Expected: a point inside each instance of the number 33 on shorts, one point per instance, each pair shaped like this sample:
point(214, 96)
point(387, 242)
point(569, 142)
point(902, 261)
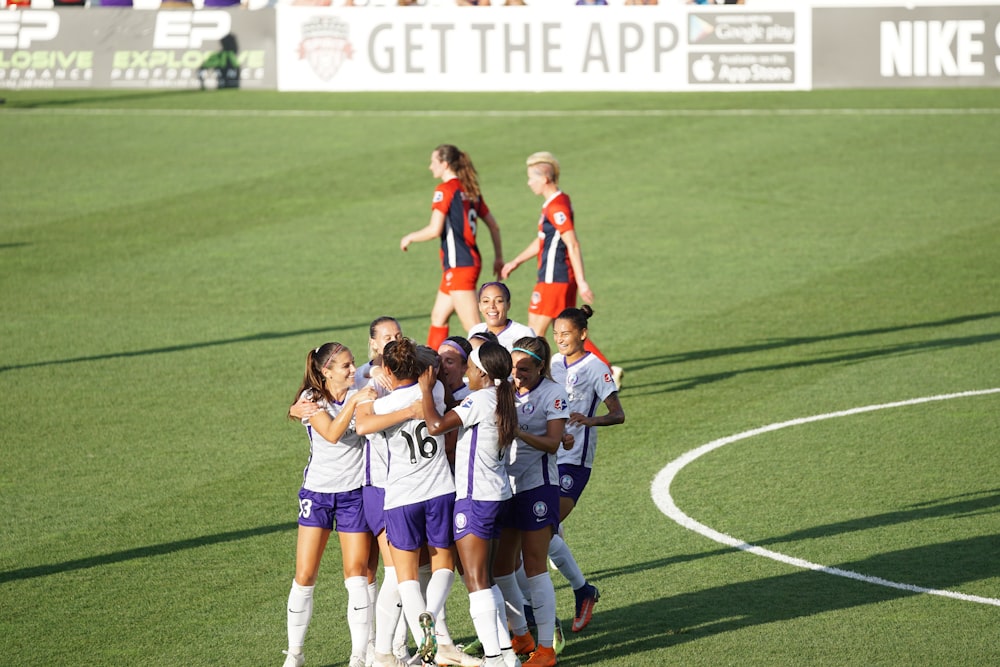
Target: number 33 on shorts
point(305, 508)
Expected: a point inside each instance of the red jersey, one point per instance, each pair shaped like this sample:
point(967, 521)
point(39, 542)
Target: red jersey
point(458, 236)
point(553, 259)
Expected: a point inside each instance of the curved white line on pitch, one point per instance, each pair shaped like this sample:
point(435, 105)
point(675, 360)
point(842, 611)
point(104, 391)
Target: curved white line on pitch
point(663, 499)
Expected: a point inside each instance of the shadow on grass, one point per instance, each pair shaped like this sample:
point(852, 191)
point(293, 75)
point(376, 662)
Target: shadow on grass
point(699, 614)
point(972, 504)
point(856, 356)
point(96, 96)
point(142, 552)
point(266, 335)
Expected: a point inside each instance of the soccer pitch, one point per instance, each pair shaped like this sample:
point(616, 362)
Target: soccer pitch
point(169, 257)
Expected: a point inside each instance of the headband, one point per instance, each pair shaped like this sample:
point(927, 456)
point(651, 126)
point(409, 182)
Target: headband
point(337, 349)
point(528, 352)
point(474, 358)
point(458, 348)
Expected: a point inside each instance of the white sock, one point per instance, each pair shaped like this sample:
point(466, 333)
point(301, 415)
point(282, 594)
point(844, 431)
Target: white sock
point(522, 582)
point(503, 634)
point(387, 612)
point(358, 614)
point(300, 607)
point(514, 603)
point(372, 599)
point(438, 588)
point(483, 610)
point(543, 603)
point(413, 606)
point(563, 558)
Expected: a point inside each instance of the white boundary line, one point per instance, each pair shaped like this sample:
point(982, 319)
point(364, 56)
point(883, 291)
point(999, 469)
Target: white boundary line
point(663, 499)
point(513, 113)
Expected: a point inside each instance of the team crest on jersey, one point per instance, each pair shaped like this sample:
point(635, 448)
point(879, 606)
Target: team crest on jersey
point(528, 408)
point(566, 482)
point(461, 521)
point(325, 45)
point(572, 379)
point(540, 509)
point(536, 297)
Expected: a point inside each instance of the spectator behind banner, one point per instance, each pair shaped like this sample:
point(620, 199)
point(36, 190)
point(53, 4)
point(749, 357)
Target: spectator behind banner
point(225, 63)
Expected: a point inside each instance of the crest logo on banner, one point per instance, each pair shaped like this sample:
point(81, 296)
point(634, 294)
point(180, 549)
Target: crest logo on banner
point(325, 45)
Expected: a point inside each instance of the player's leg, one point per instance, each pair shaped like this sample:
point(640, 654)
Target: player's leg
point(440, 314)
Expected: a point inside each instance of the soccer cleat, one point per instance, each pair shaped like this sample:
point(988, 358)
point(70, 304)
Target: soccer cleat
point(293, 660)
point(523, 644)
point(543, 656)
point(449, 655)
point(616, 374)
point(428, 645)
point(473, 648)
point(586, 597)
point(510, 658)
point(357, 661)
point(558, 638)
point(387, 660)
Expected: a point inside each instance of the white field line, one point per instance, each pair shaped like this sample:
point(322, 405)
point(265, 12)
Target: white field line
point(663, 499)
point(540, 113)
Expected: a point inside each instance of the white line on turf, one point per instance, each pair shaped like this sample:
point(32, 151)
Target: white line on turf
point(663, 499)
point(498, 113)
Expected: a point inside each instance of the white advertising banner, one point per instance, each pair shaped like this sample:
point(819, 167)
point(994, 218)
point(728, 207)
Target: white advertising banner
point(635, 48)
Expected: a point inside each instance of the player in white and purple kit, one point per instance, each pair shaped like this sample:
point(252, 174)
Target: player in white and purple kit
point(330, 496)
point(533, 513)
point(419, 499)
point(494, 306)
point(588, 383)
point(486, 421)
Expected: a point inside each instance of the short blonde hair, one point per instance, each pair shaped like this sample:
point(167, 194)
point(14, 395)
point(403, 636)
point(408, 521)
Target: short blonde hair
point(545, 158)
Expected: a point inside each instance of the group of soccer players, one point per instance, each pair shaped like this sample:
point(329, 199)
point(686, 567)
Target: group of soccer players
point(463, 454)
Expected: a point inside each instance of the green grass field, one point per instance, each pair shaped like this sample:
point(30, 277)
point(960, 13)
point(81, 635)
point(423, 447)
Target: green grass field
point(168, 258)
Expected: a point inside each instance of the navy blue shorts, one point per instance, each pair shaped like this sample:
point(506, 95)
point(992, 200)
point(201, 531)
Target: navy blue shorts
point(572, 480)
point(533, 509)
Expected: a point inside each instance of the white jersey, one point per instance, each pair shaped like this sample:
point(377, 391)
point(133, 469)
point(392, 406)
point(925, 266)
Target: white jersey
point(587, 382)
point(418, 468)
point(530, 468)
point(480, 462)
point(363, 378)
point(461, 393)
point(333, 467)
point(510, 335)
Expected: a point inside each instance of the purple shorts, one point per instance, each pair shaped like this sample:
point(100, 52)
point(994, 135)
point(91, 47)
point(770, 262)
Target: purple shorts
point(478, 517)
point(572, 481)
point(411, 526)
point(374, 498)
point(533, 509)
point(343, 510)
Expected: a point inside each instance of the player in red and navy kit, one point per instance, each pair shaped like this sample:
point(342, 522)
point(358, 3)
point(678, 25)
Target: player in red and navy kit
point(456, 210)
point(560, 259)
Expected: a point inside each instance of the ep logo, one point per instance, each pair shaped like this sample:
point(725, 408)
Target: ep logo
point(190, 29)
point(20, 29)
